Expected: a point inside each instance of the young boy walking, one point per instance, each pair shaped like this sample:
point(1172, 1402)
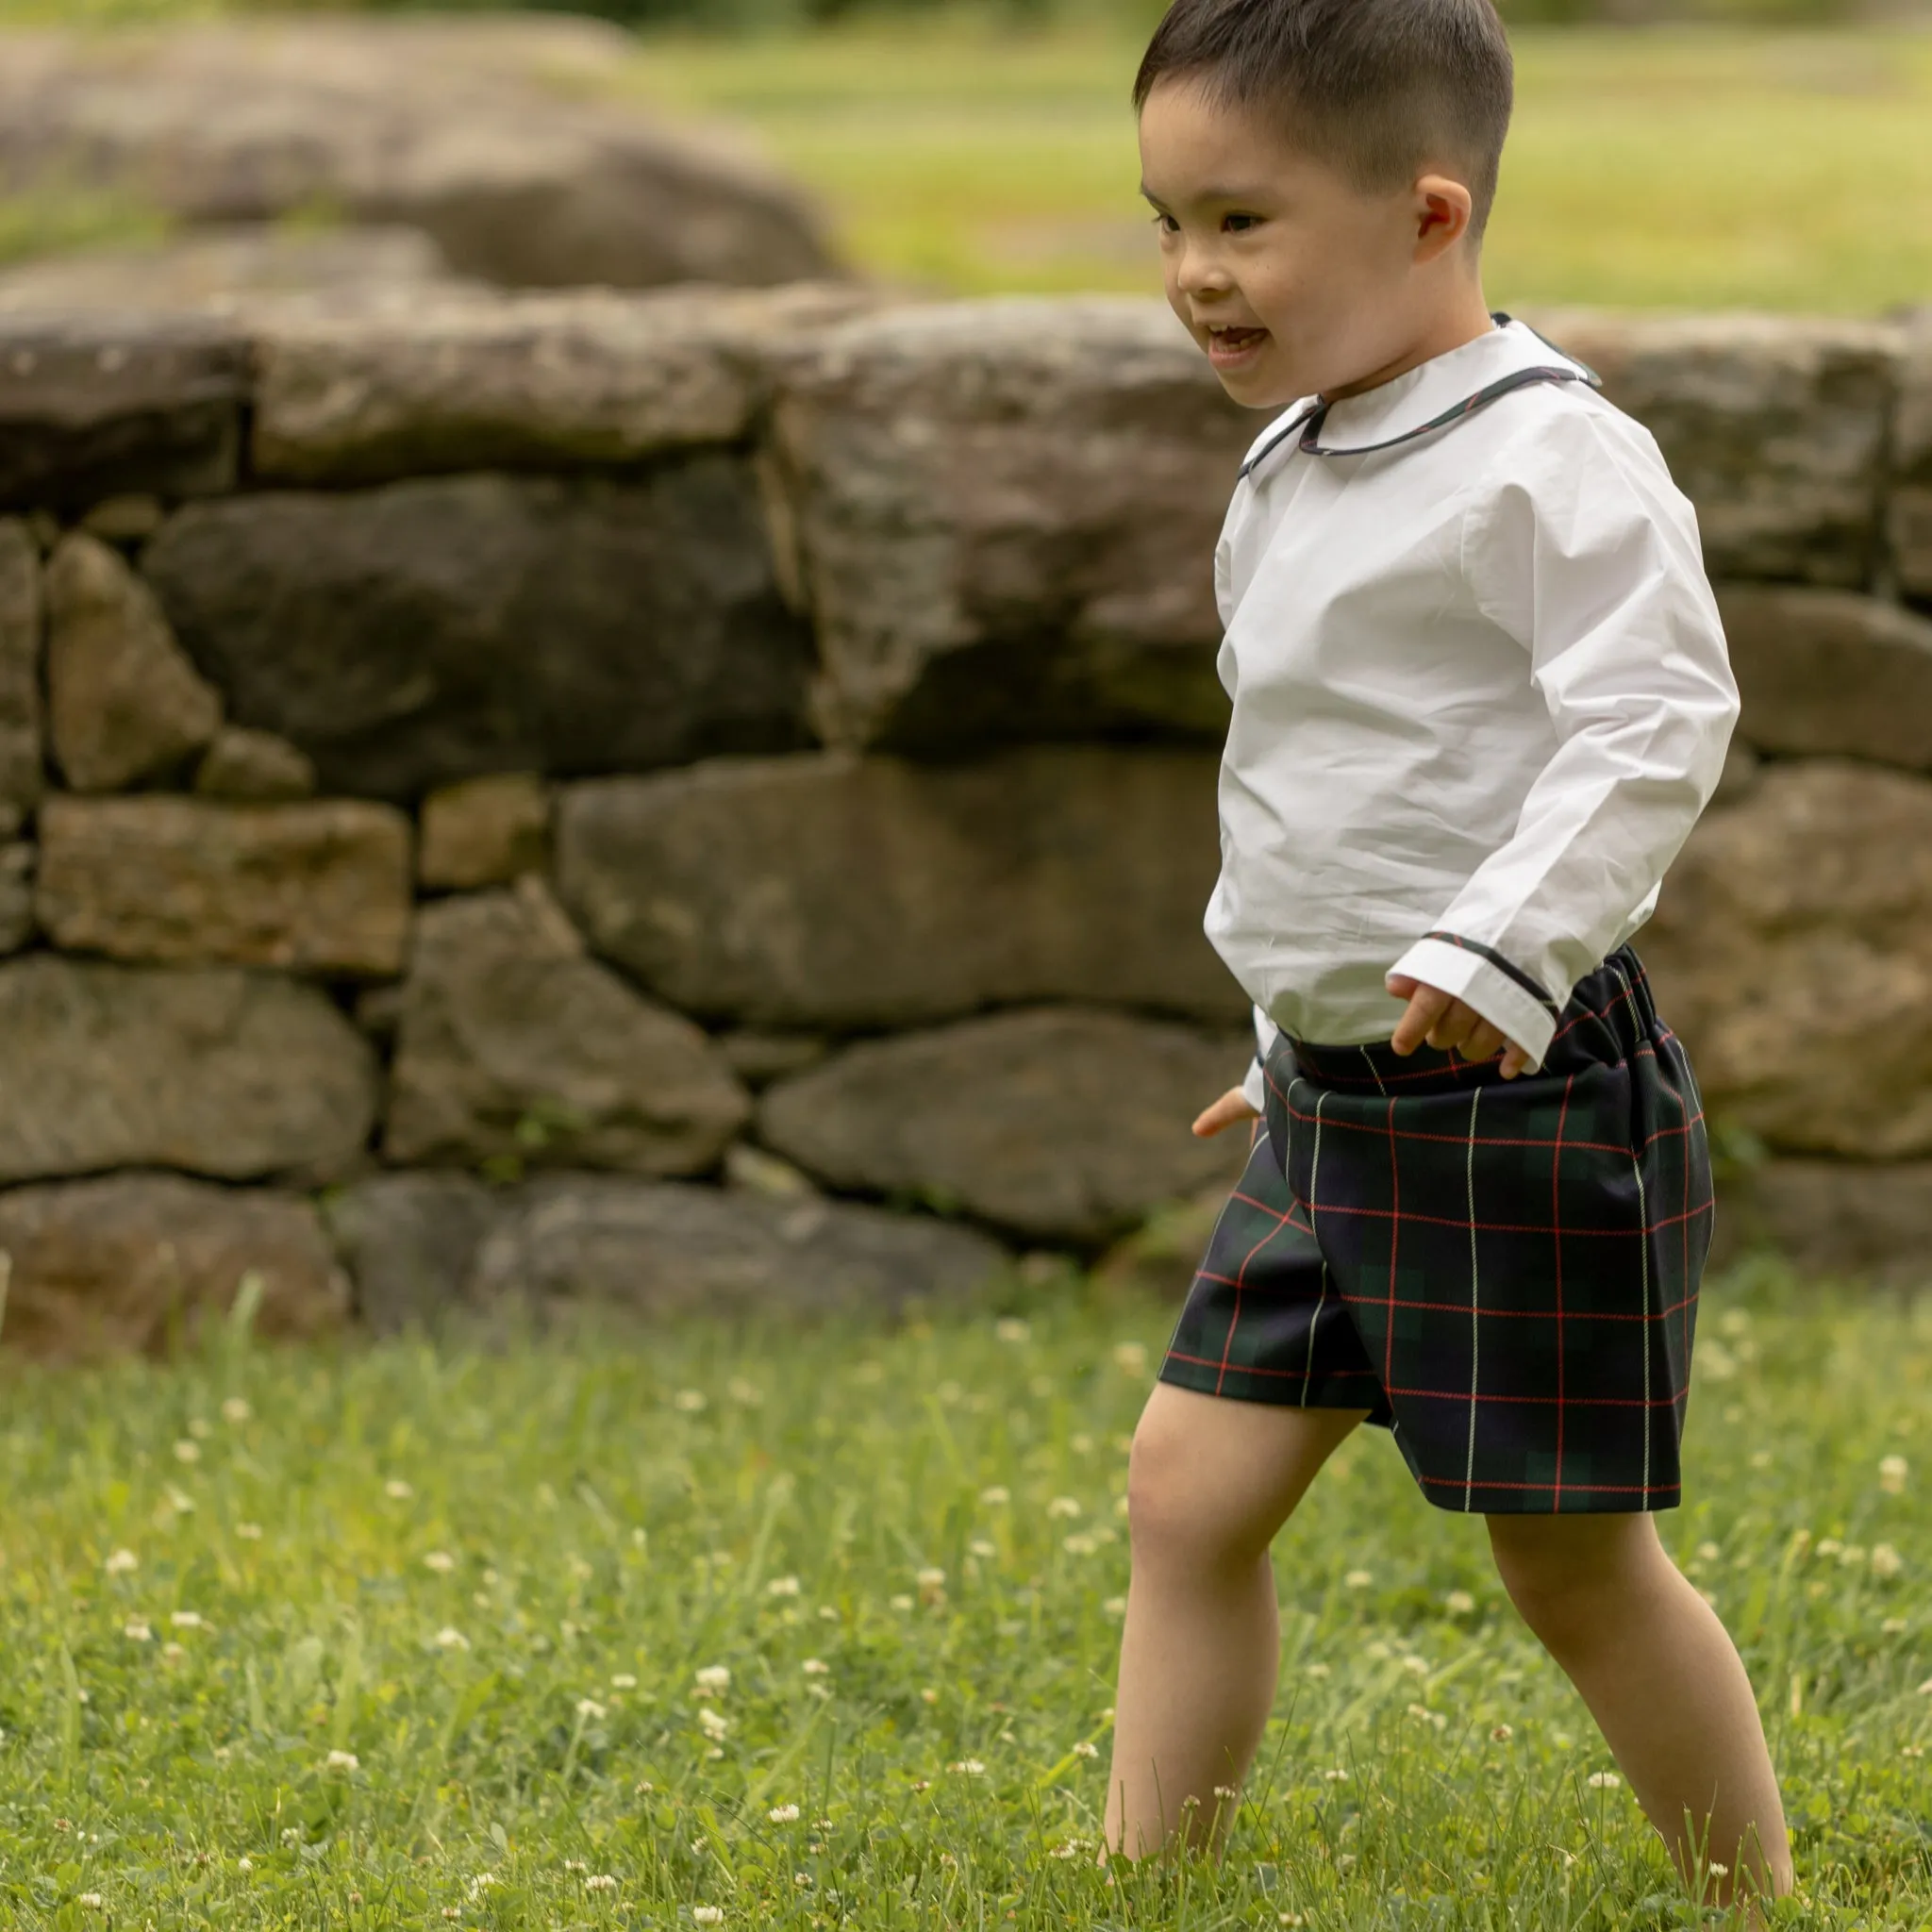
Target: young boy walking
point(1480, 696)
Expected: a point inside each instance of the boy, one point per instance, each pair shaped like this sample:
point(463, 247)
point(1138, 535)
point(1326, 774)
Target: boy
point(1480, 696)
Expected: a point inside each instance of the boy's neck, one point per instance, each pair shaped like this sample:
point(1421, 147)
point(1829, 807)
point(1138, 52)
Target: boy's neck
point(1458, 322)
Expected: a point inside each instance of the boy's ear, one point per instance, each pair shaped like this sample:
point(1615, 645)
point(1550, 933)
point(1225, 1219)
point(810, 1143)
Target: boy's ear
point(1443, 209)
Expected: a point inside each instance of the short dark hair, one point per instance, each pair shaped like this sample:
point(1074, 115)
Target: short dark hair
point(1377, 86)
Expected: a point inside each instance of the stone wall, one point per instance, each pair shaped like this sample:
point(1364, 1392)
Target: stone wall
point(619, 797)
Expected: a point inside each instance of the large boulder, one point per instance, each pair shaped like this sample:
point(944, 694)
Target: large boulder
point(434, 630)
point(594, 377)
point(1003, 515)
point(1065, 1125)
point(1911, 490)
point(124, 705)
point(508, 142)
point(20, 667)
point(514, 1045)
point(1831, 672)
point(92, 405)
point(1776, 429)
point(322, 886)
point(122, 1263)
point(214, 1069)
point(1792, 950)
point(855, 893)
point(667, 1249)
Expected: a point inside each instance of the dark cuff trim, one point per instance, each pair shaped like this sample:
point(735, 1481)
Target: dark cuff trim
point(1508, 968)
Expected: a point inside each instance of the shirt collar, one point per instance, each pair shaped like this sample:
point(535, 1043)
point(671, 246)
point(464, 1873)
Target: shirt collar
point(1432, 396)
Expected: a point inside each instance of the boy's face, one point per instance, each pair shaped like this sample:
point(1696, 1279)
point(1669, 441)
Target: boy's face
point(1313, 281)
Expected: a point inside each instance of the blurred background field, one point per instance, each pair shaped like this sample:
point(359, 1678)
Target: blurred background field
point(1705, 164)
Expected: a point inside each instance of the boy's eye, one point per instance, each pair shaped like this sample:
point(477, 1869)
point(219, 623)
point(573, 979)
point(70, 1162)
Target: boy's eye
point(1250, 220)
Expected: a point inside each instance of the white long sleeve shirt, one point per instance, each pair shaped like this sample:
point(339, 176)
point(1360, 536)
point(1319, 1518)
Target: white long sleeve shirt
point(1480, 694)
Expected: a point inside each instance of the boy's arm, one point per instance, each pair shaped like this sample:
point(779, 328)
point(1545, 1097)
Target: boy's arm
point(1590, 558)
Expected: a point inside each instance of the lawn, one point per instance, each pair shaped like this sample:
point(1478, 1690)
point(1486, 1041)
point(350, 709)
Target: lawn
point(819, 1631)
point(1682, 167)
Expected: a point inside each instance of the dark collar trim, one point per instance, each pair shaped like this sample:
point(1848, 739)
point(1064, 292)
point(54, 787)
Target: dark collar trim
point(1309, 423)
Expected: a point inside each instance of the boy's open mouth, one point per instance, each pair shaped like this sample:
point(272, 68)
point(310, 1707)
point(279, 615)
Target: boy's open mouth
point(1233, 345)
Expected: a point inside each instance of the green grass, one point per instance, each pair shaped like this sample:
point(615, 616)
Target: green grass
point(1689, 167)
point(408, 1637)
point(1694, 168)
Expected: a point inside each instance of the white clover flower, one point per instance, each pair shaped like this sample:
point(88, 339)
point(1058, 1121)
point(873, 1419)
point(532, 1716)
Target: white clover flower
point(689, 1400)
point(707, 1915)
point(1501, 1733)
point(1358, 1579)
point(1708, 1551)
point(186, 1451)
point(995, 1495)
point(1604, 1781)
point(236, 1409)
point(340, 1760)
point(623, 1680)
point(982, 1549)
point(397, 1490)
point(244, 1864)
point(1458, 1603)
point(1892, 1471)
point(1071, 1849)
point(1079, 1545)
point(1418, 1665)
point(575, 1865)
point(482, 1883)
point(1011, 1329)
point(967, 1766)
point(1336, 1776)
point(1084, 1748)
point(1829, 1546)
point(249, 1532)
point(173, 1653)
point(449, 1637)
point(440, 1562)
point(1063, 1506)
point(782, 1586)
point(1894, 1627)
point(713, 1724)
point(1886, 1560)
point(1131, 1357)
point(931, 1579)
point(600, 1881)
point(137, 1631)
point(93, 1901)
point(783, 1814)
point(1114, 1607)
point(179, 1501)
point(186, 1619)
point(590, 1707)
point(120, 1562)
point(815, 1667)
point(714, 1677)
point(901, 1602)
point(1316, 1670)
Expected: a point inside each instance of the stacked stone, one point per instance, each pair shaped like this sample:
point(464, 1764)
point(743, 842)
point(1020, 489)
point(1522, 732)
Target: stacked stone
point(618, 798)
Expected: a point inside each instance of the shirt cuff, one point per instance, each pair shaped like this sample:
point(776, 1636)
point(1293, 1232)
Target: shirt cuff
point(1483, 979)
point(1255, 1087)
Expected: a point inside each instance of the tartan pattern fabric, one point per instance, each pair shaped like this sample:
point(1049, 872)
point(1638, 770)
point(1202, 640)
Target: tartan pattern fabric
point(1502, 1274)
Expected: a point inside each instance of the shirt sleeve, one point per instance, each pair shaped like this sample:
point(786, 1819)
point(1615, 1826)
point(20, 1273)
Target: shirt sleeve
point(1255, 1087)
point(1588, 556)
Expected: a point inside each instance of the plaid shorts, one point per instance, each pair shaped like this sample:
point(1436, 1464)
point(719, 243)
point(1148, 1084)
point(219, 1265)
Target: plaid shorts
point(1502, 1274)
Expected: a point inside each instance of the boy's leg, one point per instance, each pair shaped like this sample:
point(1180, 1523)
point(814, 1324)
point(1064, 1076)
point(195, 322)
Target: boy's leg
point(1208, 1484)
point(1663, 1681)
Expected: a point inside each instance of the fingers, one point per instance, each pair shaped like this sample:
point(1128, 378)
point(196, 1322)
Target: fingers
point(1515, 1060)
point(1232, 1106)
point(1426, 1006)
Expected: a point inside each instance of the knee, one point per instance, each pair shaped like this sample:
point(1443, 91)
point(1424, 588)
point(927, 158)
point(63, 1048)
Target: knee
point(1568, 1577)
point(1176, 1510)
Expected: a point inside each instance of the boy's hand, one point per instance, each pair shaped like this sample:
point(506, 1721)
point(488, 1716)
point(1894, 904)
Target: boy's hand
point(1232, 1106)
point(1445, 1021)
